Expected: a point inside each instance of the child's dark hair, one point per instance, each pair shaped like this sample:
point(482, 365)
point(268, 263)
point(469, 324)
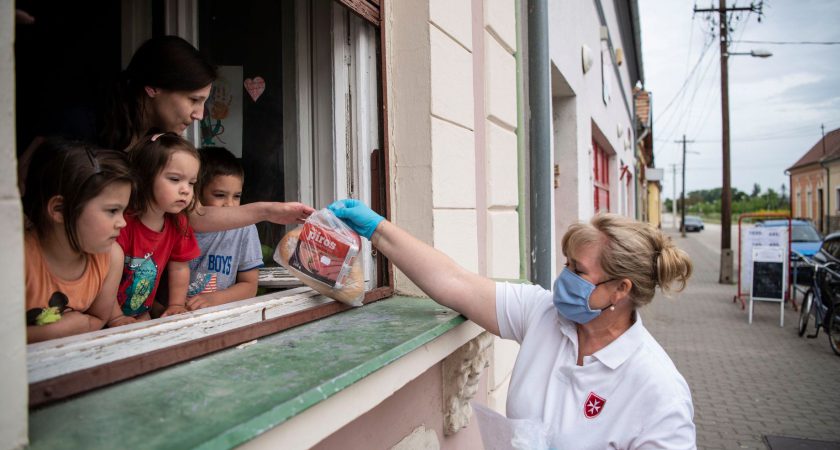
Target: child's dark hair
point(74, 170)
point(148, 158)
point(216, 161)
point(165, 62)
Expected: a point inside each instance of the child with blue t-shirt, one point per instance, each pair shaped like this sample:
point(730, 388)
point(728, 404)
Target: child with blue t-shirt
point(226, 271)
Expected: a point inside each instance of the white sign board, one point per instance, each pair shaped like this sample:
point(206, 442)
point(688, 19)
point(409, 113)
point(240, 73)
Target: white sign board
point(769, 275)
point(759, 237)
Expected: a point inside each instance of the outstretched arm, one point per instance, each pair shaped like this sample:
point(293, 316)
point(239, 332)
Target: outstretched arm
point(432, 271)
point(215, 218)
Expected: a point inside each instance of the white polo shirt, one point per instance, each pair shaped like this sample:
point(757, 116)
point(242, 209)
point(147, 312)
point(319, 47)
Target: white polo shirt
point(627, 395)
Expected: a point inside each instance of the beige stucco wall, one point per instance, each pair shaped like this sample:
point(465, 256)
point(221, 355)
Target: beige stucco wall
point(13, 387)
point(654, 202)
point(500, 154)
point(806, 180)
point(833, 206)
point(500, 131)
point(453, 144)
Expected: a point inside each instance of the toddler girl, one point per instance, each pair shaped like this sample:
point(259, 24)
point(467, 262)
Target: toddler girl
point(158, 234)
point(74, 203)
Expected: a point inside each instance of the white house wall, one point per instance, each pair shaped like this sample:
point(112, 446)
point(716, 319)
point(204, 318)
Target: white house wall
point(571, 26)
point(13, 388)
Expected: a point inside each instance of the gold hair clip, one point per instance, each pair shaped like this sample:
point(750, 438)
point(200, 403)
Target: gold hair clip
point(156, 136)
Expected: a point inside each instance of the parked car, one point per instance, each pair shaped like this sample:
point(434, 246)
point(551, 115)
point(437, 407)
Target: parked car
point(829, 252)
point(804, 239)
point(694, 223)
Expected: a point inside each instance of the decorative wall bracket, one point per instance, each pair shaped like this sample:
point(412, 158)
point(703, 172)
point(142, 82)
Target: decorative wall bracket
point(461, 372)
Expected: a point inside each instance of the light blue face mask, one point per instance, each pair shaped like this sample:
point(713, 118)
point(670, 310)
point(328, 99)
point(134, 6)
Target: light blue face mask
point(571, 297)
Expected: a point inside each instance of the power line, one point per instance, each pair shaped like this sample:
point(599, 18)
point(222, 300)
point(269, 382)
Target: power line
point(789, 42)
point(688, 78)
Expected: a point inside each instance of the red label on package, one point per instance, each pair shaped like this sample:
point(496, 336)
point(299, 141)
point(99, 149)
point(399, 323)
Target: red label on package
point(324, 255)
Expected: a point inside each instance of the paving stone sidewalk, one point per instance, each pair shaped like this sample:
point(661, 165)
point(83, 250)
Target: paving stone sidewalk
point(747, 381)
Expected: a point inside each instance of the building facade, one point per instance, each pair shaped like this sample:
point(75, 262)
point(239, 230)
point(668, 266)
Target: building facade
point(814, 184)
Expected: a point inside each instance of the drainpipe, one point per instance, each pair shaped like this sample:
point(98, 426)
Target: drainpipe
point(539, 132)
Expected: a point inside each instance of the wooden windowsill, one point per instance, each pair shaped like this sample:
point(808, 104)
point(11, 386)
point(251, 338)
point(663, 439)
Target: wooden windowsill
point(64, 367)
point(229, 397)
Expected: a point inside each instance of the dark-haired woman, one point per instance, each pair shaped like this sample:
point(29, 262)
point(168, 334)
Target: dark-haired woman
point(164, 88)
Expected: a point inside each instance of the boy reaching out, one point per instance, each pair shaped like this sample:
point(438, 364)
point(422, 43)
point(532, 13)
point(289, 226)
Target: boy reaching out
point(226, 271)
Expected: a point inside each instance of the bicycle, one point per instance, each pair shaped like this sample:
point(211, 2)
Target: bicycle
point(821, 301)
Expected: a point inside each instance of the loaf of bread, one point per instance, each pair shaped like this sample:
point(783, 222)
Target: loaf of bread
point(349, 290)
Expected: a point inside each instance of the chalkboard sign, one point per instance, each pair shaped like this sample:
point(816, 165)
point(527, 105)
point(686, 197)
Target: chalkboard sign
point(768, 280)
point(768, 274)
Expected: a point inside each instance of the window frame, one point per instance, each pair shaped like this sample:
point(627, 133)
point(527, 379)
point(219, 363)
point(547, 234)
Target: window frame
point(600, 176)
point(103, 357)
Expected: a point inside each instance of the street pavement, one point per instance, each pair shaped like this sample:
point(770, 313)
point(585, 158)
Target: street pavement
point(747, 381)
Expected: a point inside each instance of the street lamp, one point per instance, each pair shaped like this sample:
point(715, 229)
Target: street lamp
point(726, 263)
point(758, 53)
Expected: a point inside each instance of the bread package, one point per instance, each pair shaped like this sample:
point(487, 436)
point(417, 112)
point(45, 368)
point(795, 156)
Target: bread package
point(323, 254)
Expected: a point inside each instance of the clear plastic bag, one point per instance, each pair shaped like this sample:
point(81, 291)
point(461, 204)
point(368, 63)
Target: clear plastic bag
point(323, 254)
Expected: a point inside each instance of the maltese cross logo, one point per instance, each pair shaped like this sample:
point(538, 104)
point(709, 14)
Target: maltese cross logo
point(593, 405)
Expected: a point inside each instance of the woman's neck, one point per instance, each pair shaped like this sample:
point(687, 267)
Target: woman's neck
point(61, 259)
point(602, 331)
point(153, 219)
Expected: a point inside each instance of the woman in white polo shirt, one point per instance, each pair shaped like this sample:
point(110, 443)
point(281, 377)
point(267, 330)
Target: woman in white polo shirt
point(586, 367)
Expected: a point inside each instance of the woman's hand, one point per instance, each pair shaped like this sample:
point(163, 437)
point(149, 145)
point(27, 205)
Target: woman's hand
point(357, 216)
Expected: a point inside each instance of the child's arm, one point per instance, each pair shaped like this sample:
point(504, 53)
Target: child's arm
point(179, 279)
point(106, 305)
point(71, 323)
point(215, 218)
point(245, 287)
point(99, 313)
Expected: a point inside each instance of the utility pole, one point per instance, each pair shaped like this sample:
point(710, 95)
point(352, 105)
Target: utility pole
point(674, 203)
point(726, 272)
point(682, 196)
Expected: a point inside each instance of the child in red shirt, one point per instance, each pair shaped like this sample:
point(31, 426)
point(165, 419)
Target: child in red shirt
point(158, 234)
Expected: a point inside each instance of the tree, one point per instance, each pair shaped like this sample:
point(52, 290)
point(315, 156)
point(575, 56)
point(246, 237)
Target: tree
point(756, 190)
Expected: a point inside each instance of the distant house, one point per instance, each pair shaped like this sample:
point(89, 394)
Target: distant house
point(815, 184)
point(649, 187)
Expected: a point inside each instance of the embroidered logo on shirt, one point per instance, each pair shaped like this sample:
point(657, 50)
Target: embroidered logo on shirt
point(593, 405)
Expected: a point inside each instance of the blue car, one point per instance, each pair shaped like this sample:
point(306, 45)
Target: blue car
point(805, 240)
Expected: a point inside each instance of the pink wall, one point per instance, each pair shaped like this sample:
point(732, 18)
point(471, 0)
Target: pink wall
point(419, 403)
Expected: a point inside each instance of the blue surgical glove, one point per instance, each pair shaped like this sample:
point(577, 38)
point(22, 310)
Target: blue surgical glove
point(357, 216)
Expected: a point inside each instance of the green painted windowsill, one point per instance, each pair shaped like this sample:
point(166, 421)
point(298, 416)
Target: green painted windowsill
point(229, 397)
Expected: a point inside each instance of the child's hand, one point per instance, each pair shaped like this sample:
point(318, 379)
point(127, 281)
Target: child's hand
point(199, 301)
point(121, 320)
point(171, 310)
point(288, 213)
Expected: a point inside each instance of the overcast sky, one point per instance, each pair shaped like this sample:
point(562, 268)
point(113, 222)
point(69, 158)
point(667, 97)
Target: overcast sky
point(776, 104)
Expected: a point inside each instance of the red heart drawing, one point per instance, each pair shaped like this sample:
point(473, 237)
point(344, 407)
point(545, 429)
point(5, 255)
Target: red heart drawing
point(255, 87)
